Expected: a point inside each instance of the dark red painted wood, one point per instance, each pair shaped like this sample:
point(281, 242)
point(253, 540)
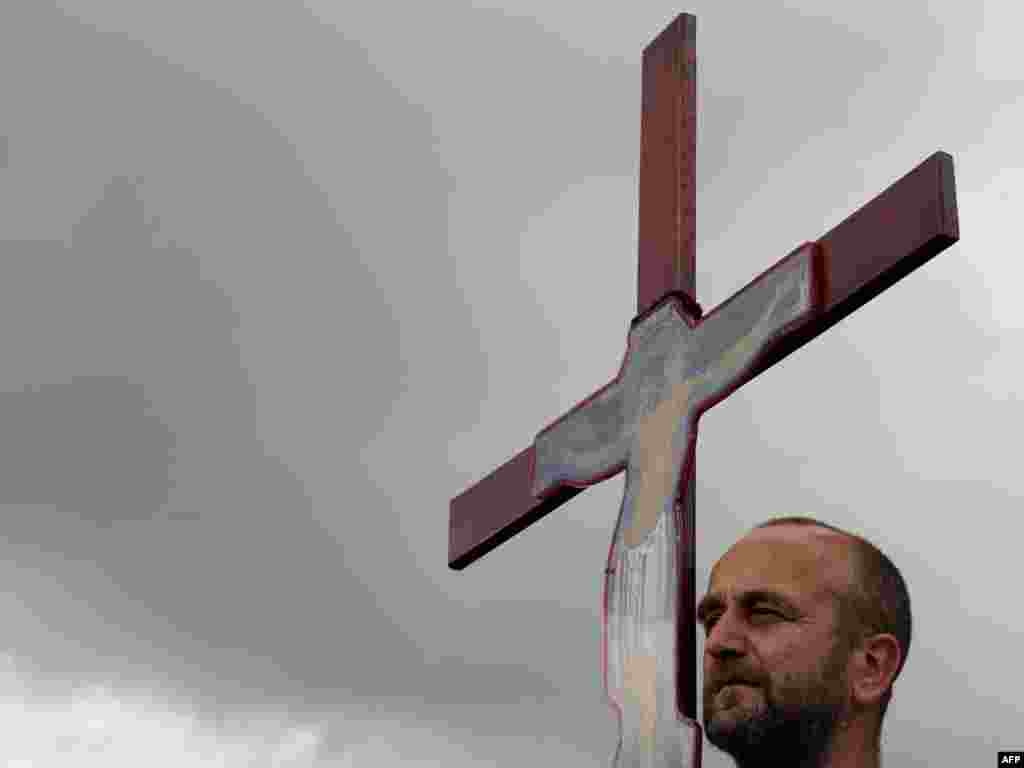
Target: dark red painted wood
point(686, 597)
point(912, 221)
point(667, 246)
point(496, 509)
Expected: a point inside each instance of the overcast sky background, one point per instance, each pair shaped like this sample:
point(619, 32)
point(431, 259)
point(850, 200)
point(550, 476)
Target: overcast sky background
point(279, 280)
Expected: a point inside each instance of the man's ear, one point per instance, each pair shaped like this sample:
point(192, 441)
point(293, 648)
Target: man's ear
point(873, 666)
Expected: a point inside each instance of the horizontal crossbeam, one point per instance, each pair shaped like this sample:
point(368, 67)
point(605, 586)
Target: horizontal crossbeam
point(909, 223)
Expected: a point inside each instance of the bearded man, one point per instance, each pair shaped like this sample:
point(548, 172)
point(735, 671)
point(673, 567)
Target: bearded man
point(807, 627)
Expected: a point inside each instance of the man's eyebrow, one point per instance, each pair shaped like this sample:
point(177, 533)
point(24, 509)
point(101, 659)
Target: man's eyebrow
point(767, 596)
point(710, 602)
point(713, 601)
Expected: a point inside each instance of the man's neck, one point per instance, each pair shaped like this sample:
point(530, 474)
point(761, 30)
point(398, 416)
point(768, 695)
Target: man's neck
point(854, 746)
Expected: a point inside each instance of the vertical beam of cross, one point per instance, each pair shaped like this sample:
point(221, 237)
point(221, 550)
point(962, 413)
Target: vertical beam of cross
point(667, 259)
point(667, 228)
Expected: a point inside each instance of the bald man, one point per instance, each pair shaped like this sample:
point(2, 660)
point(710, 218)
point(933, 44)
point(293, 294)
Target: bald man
point(807, 627)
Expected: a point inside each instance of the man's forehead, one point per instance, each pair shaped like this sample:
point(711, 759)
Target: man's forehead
point(800, 559)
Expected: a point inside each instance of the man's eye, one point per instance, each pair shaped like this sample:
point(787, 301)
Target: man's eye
point(759, 613)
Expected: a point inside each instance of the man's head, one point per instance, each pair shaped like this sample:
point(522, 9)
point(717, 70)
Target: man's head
point(807, 626)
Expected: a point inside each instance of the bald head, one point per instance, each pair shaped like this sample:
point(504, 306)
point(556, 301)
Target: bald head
point(790, 557)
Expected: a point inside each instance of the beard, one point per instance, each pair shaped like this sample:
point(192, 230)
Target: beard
point(792, 722)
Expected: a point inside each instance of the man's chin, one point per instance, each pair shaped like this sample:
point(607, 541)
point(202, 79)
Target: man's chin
point(740, 695)
point(735, 729)
point(731, 706)
point(752, 730)
point(721, 728)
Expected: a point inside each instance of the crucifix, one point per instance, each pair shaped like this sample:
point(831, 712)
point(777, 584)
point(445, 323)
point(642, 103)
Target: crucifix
point(678, 363)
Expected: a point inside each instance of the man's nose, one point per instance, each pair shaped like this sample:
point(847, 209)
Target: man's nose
point(727, 637)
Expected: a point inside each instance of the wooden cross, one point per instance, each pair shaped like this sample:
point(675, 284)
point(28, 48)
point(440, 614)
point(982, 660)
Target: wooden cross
point(678, 363)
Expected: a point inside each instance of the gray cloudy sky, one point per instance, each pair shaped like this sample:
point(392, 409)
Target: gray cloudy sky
point(281, 279)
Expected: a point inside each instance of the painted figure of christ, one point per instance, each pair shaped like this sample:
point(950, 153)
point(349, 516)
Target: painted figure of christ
point(676, 366)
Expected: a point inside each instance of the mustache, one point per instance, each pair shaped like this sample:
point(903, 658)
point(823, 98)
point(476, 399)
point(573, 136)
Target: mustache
point(719, 681)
